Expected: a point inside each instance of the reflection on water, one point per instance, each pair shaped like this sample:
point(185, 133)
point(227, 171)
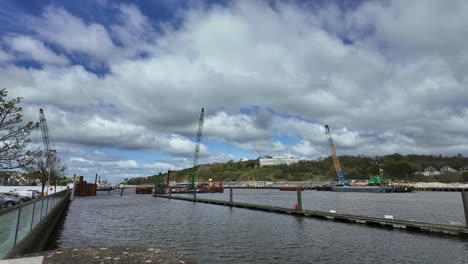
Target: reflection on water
point(218, 234)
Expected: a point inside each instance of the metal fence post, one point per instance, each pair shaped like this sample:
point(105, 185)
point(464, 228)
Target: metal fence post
point(299, 200)
point(42, 206)
point(465, 205)
point(17, 225)
point(47, 205)
point(32, 218)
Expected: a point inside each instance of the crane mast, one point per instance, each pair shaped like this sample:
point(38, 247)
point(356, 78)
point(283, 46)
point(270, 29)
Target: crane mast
point(197, 150)
point(336, 161)
point(45, 139)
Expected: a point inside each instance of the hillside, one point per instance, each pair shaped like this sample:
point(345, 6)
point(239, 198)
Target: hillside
point(396, 166)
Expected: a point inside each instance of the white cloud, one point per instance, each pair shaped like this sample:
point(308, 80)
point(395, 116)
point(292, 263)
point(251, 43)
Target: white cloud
point(234, 128)
point(30, 48)
point(73, 34)
point(5, 57)
point(386, 76)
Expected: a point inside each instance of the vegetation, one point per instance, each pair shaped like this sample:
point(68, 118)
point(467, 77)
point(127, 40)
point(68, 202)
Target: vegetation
point(14, 134)
point(36, 167)
point(395, 166)
point(14, 140)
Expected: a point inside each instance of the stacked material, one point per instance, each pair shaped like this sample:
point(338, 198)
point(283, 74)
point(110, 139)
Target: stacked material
point(440, 185)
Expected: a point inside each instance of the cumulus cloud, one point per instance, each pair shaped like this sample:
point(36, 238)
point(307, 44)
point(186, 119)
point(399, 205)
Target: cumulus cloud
point(5, 57)
point(386, 76)
point(72, 34)
point(30, 48)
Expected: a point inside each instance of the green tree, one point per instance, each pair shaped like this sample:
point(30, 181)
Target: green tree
point(37, 168)
point(398, 170)
point(465, 176)
point(14, 134)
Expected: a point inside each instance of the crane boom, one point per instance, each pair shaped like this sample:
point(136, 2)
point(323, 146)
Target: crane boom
point(336, 161)
point(197, 149)
point(45, 139)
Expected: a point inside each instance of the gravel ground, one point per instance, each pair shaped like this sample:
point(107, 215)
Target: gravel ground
point(113, 255)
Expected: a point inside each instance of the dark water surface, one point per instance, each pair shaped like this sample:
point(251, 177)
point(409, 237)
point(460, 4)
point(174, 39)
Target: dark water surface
point(218, 234)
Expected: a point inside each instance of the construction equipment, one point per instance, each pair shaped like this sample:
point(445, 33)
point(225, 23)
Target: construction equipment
point(197, 151)
point(336, 161)
point(45, 138)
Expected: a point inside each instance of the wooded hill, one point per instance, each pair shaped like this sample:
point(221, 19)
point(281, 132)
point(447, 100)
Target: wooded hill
point(395, 166)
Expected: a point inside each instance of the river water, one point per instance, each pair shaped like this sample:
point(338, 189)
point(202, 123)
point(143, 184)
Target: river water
point(219, 234)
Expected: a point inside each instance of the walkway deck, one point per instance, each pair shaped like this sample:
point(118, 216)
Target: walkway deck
point(439, 229)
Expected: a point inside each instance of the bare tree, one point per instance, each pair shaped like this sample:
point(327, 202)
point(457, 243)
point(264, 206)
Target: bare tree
point(37, 168)
point(14, 134)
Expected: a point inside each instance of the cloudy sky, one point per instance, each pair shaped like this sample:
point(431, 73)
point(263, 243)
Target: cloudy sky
point(122, 83)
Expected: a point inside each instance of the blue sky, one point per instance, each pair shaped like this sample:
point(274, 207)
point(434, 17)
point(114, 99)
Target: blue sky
point(122, 82)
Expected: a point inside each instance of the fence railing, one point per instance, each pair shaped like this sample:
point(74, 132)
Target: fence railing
point(18, 221)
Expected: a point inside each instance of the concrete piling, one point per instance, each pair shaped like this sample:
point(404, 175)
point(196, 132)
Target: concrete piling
point(230, 196)
point(465, 205)
point(299, 200)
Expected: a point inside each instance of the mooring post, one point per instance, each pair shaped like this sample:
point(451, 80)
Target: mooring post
point(230, 196)
point(299, 200)
point(465, 205)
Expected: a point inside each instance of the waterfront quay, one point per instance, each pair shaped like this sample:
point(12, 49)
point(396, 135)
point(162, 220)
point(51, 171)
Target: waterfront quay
point(26, 227)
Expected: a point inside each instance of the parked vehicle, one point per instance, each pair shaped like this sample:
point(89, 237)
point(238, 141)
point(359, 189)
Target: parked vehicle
point(35, 194)
point(8, 201)
point(22, 198)
point(25, 193)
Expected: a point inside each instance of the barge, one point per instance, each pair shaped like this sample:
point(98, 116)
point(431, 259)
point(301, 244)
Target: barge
point(373, 189)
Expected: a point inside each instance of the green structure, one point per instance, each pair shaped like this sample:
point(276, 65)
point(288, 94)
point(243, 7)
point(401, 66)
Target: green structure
point(160, 185)
point(379, 181)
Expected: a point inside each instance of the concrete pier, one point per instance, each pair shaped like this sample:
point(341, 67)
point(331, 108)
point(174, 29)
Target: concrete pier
point(437, 229)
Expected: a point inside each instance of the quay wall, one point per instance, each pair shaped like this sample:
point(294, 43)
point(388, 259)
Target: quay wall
point(36, 239)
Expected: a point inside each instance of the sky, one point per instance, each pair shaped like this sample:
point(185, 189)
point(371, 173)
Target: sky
point(122, 83)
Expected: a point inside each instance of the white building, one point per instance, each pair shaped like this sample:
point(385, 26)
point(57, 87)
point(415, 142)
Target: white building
point(268, 161)
point(430, 171)
point(447, 169)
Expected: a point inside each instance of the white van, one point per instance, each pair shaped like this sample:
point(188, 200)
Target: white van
point(29, 194)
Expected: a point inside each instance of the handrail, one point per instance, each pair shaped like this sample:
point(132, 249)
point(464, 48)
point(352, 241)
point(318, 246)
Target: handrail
point(15, 228)
point(8, 209)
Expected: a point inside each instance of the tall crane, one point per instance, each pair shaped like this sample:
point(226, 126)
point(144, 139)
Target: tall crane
point(336, 161)
point(45, 139)
point(197, 151)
